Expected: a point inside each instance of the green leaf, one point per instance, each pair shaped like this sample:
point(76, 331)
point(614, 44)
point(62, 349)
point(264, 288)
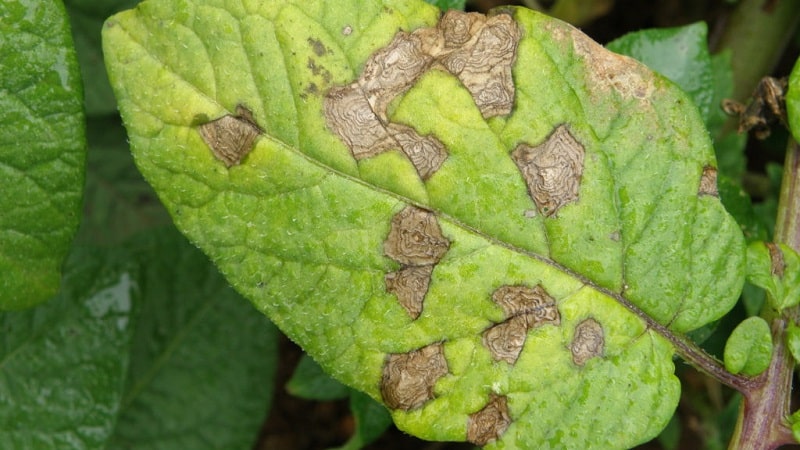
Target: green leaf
point(793, 340)
point(749, 348)
point(42, 149)
point(444, 5)
point(680, 54)
point(202, 360)
point(372, 419)
point(314, 232)
point(793, 101)
point(309, 381)
point(776, 269)
point(86, 18)
point(63, 364)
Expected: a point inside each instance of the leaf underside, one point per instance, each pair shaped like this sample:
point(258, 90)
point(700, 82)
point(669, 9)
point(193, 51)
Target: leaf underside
point(483, 267)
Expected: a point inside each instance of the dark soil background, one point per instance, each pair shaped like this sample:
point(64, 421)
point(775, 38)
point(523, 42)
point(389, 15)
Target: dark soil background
point(297, 424)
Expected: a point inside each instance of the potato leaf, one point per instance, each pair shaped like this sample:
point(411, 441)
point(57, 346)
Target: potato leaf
point(488, 223)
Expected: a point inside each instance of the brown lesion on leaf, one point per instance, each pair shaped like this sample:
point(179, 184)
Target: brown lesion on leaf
point(767, 107)
point(777, 262)
point(426, 153)
point(232, 136)
point(415, 238)
point(608, 70)
point(588, 342)
point(477, 49)
point(489, 423)
point(416, 241)
point(481, 51)
point(409, 378)
point(410, 284)
point(350, 116)
point(317, 47)
point(552, 170)
point(525, 308)
point(708, 182)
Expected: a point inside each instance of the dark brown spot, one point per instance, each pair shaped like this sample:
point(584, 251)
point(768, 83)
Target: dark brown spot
point(393, 69)
point(526, 308)
point(480, 51)
point(489, 423)
point(408, 378)
point(552, 170)
point(317, 47)
point(588, 342)
point(535, 301)
point(231, 137)
point(415, 238)
point(778, 264)
point(410, 284)
point(350, 116)
point(708, 182)
point(426, 153)
point(484, 60)
point(506, 339)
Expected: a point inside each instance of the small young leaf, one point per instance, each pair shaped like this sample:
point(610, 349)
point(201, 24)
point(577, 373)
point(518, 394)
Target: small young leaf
point(42, 149)
point(776, 269)
point(749, 348)
point(793, 340)
point(486, 222)
point(309, 381)
point(63, 364)
point(202, 359)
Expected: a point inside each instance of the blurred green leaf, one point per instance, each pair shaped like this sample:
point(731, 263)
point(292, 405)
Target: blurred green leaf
point(202, 359)
point(309, 381)
point(118, 202)
point(749, 348)
point(372, 419)
point(63, 364)
point(86, 18)
point(444, 5)
point(793, 101)
point(42, 149)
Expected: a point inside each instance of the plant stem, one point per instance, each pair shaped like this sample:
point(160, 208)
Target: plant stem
point(757, 33)
point(763, 417)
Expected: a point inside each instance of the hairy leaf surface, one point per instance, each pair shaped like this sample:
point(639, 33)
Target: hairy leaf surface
point(489, 224)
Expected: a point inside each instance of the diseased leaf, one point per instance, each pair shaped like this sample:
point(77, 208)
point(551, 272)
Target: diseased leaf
point(776, 269)
point(42, 149)
point(486, 223)
point(680, 54)
point(749, 348)
point(202, 359)
point(63, 364)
